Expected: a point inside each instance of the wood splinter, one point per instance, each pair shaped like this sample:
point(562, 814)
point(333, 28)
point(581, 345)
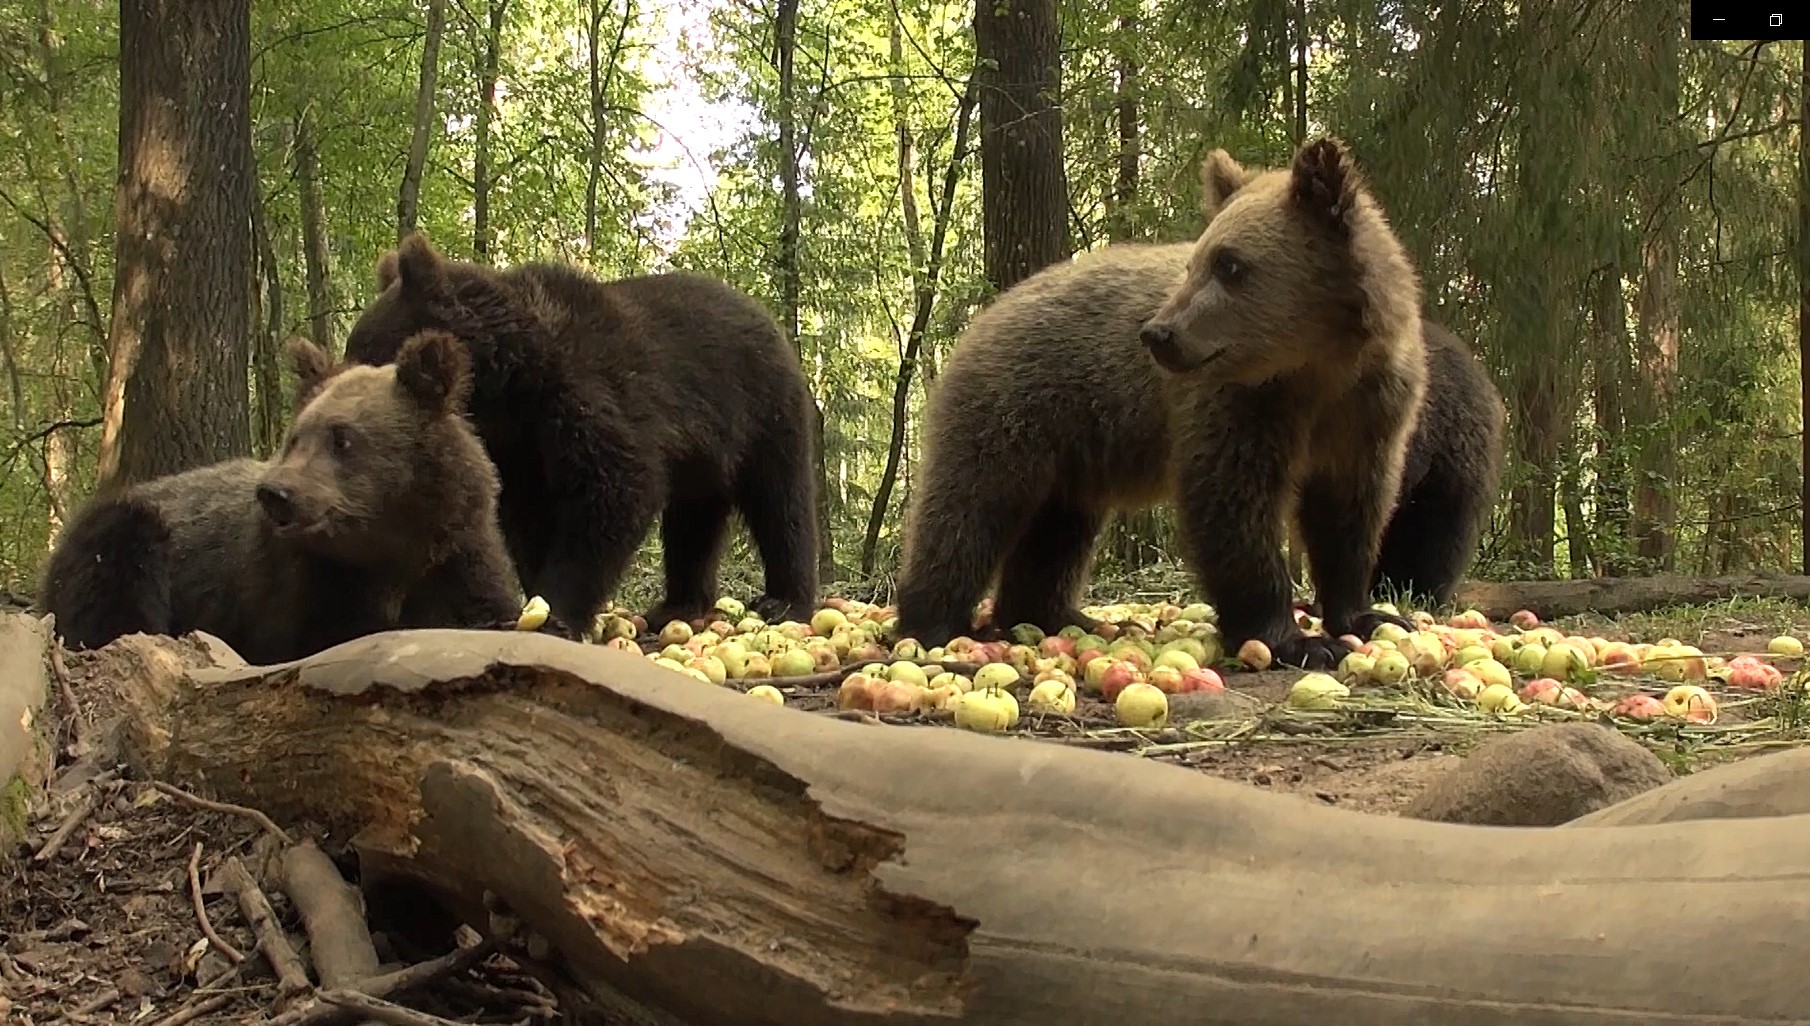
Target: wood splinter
point(292, 975)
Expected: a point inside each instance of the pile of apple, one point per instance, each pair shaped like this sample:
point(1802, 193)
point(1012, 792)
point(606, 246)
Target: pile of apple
point(1476, 663)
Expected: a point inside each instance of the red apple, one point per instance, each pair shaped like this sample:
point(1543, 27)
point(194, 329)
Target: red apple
point(1202, 679)
point(1117, 677)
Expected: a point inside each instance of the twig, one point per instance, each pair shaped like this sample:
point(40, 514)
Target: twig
point(238, 810)
point(292, 976)
point(84, 807)
point(207, 926)
point(401, 981)
point(189, 1013)
point(99, 1001)
point(66, 693)
point(381, 1010)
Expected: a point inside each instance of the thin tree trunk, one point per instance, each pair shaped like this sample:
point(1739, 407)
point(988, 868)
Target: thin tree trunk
point(316, 272)
point(928, 279)
point(267, 417)
point(1300, 107)
point(408, 198)
point(602, 77)
point(1577, 528)
point(1121, 217)
point(480, 161)
point(1655, 508)
point(176, 389)
point(1024, 185)
point(1612, 375)
point(1803, 292)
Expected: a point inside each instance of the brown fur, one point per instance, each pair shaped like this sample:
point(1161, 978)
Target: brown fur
point(379, 511)
point(607, 404)
point(1275, 366)
point(1541, 777)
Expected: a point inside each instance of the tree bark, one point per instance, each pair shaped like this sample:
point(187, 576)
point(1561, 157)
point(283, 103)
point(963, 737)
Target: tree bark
point(1612, 375)
point(1657, 328)
point(316, 273)
point(176, 388)
point(482, 130)
point(1121, 217)
point(267, 417)
point(651, 835)
point(928, 275)
point(408, 197)
point(1300, 41)
point(603, 75)
point(1024, 185)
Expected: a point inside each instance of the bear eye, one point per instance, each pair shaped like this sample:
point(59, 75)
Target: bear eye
point(342, 438)
point(1228, 269)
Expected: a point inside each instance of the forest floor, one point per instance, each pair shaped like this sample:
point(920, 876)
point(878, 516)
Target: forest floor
point(101, 922)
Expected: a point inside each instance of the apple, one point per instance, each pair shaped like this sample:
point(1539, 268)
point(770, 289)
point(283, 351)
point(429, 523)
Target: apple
point(1177, 659)
point(982, 711)
point(1564, 661)
point(1690, 703)
point(1748, 674)
point(944, 696)
point(1388, 631)
point(534, 614)
point(1619, 657)
point(908, 673)
point(734, 657)
point(1470, 654)
point(1544, 690)
point(996, 675)
point(1255, 654)
point(1166, 679)
point(1356, 666)
point(855, 692)
point(1317, 691)
point(623, 645)
point(1524, 619)
point(1676, 662)
point(670, 664)
point(793, 662)
point(1786, 646)
point(1391, 668)
point(711, 667)
point(825, 620)
point(908, 648)
point(1491, 672)
point(1503, 648)
point(1530, 657)
point(823, 656)
point(695, 674)
point(757, 668)
point(895, 696)
point(767, 693)
point(1639, 706)
point(1118, 677)
point(1204, 679)
point(1499, 698)
point(1052, 696)
point(1470, 618)
point(954, 680)
point(676, 632)
point(1141, 705)
point(1056, 645)
point(731, 608)
point(1425, 652)
point(1463, 683)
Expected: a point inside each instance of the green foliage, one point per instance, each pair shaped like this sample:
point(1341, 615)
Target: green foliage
point(1606, 210)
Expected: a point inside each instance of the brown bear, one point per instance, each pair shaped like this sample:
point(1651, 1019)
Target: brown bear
point(378, 512)
point(606, 404)
point(1274, 370)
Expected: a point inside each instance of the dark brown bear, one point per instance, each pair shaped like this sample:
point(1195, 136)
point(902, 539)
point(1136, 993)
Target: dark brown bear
point(1276, 366)
point(379, 512)
point(605, 405)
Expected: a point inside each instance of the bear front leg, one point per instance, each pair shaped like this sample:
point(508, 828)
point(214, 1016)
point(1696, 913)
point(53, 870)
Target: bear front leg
point(1235, 454)
point(1345, 505)
point(604, 492)
point(473, 588)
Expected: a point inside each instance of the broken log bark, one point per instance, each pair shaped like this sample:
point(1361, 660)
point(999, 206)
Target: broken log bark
point(1615, 595)
point(723, 861)
point(1764, 785)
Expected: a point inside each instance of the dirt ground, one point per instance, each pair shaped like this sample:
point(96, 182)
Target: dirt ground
point(105, 929)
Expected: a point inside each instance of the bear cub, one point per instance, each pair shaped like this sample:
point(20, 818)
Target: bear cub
point(378, 512)
point(607, 404)
point(1274, 371)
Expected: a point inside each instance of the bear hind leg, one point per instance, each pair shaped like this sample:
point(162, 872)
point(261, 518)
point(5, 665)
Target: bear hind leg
point(692, 534)
point(778, 502)
point(1430, 542)
point(110, 575)
point(1043, 576)
point(956, 537)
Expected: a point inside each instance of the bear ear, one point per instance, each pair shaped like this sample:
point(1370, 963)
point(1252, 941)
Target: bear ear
point(1220, 177)
point(419, 267)
point(1324, 182)
point(434, 371)
point(386, 270)
point(312, 367)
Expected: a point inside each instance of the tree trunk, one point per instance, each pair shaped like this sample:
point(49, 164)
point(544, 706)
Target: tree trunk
point(1300, 111)
point(176, 388)
point(602, 77)
point(480, 160)
point(1612, 375)
point(1803, 294)
point(267, 417)
point(791, 219)
point(1655, 510)
point(408, 198)
point(841, 890)
point(315, 270)
point(927, 270)
point(1024, 185)
point(1121, 217)
point(1536, 442)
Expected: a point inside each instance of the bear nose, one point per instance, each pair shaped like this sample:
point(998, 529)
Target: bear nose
point(276, 502)
point(1157, 337)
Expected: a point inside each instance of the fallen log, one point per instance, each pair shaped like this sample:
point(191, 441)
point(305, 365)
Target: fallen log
point(1764, 785)
point(1615, 595)
point(705, 859)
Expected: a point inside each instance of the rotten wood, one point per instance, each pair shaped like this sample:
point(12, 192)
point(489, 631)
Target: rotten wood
point(650, 832)
point(1617, 595)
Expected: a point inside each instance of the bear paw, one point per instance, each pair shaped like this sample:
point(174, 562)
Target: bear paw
point(777, 610)
point(1364, 624)
point(1310, 652)
point(666, 612)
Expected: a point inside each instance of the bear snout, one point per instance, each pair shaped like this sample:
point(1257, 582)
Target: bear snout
point(278, 503)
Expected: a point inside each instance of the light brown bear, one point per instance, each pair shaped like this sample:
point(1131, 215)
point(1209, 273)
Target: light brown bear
point(380, 511)
point(1269, 374)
